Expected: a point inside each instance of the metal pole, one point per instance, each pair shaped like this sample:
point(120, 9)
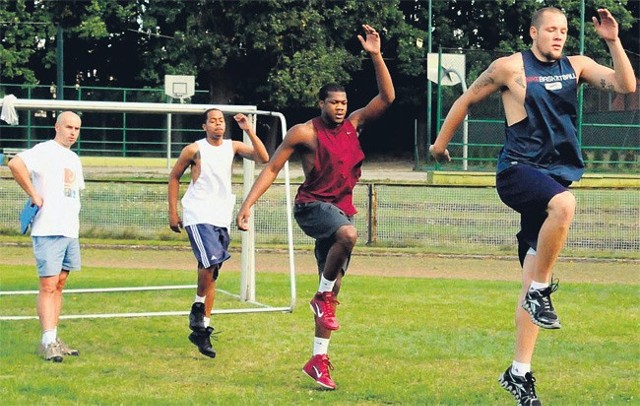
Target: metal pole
point(439, 99)
point(429, 86)
point(248, 260)
point(169, 137)
point(169, 141)
point(60, 63)
point(581, 89)
point(416, 153)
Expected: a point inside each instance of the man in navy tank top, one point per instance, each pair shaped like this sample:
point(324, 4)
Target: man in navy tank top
point(540, 158)
point(331, 158)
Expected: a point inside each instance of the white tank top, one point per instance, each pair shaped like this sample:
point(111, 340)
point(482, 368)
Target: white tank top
point(209, 199)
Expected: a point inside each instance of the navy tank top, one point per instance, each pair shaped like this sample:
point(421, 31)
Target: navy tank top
point(547, 137)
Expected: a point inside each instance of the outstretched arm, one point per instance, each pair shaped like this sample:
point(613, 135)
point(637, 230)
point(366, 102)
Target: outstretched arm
point(490, 81)
point(621, 78)
point(257, 152)
point(269, 174)
point(386, 93)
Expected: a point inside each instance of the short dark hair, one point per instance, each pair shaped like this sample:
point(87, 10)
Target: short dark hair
point(329, 87)
point(537, 16)
point(206, 114)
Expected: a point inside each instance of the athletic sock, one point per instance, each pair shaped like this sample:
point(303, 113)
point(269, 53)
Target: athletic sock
point(519, 368)
point(207, 321)
point(537, 286)
point(49, 336)
point(326, 285)
point(199, 299)
point(320, 345)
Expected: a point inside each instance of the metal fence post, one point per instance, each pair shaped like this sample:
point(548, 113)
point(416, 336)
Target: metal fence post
point(372, 212)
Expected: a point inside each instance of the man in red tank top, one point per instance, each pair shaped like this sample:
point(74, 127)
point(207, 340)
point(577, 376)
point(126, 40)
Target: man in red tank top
point(331, 157)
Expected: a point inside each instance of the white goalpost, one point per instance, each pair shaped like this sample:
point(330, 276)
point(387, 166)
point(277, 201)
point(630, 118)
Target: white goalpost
point(247, 292)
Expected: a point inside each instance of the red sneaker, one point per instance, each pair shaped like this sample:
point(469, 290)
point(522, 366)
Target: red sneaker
point(323, 305)
point(318, 369)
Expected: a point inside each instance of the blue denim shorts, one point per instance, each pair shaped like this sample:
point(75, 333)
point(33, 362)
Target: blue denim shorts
point(56, 253)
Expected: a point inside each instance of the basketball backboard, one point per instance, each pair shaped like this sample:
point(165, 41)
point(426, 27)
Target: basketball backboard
point(179, 86)
point(449, 62)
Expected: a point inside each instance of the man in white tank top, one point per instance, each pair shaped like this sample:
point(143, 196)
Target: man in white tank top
point(208, 209)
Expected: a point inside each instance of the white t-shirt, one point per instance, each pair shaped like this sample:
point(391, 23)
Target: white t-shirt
point(209, 200)
point(56, 173)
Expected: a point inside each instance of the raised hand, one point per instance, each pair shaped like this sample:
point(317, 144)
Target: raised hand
point(243, 121)
point(372, 43)
point(607, 27)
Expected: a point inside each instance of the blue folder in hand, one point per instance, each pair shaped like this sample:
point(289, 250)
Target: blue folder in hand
point(29, 211)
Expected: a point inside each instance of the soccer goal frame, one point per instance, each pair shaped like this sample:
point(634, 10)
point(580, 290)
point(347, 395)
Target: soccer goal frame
point(247, 292)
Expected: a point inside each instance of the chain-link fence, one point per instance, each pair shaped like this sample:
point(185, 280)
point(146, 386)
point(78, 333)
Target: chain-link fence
point(390, 215)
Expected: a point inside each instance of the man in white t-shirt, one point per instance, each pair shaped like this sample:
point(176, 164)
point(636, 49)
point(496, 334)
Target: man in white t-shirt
point(51, 174)
point(208, 209)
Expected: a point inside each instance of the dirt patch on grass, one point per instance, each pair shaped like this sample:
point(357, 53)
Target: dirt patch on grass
point(383, 265)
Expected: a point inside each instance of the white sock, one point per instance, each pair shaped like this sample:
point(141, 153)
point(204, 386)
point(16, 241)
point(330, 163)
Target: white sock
point(537, 286)
point(326, 285)
point(320, 345)
point(199, 299)
point(207, 321)
point(520, 369)
point(49, 336)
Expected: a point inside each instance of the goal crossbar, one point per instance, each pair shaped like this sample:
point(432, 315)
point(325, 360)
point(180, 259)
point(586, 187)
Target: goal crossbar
point(261, 307)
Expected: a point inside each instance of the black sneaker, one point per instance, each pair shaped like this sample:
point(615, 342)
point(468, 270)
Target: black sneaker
point(521, 387)
point(538, 304)
point(202, 340)
point(196, 317)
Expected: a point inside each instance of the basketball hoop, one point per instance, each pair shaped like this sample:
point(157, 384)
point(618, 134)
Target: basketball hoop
point(450, 63)
point(179, 86)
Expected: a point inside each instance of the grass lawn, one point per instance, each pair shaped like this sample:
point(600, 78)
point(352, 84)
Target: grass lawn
point(432, 338)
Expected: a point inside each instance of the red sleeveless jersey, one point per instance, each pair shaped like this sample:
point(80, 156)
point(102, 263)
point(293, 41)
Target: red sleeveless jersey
point(336, 167)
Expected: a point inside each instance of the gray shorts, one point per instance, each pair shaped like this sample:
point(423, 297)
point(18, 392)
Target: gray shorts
point(320, 220)
point(56, 253)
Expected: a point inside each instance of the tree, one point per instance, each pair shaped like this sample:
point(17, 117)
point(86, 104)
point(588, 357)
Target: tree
point(274, 53)
point(23, 33)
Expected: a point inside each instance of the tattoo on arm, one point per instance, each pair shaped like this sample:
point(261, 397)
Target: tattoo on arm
point(519, 78)
point(604, 85)
point(485, 79)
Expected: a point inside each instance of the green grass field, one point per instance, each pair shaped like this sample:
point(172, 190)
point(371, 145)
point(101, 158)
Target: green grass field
point(436, 337)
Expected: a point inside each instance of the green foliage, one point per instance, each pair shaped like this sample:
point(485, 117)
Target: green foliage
point(22, 32)
point(275, 53)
